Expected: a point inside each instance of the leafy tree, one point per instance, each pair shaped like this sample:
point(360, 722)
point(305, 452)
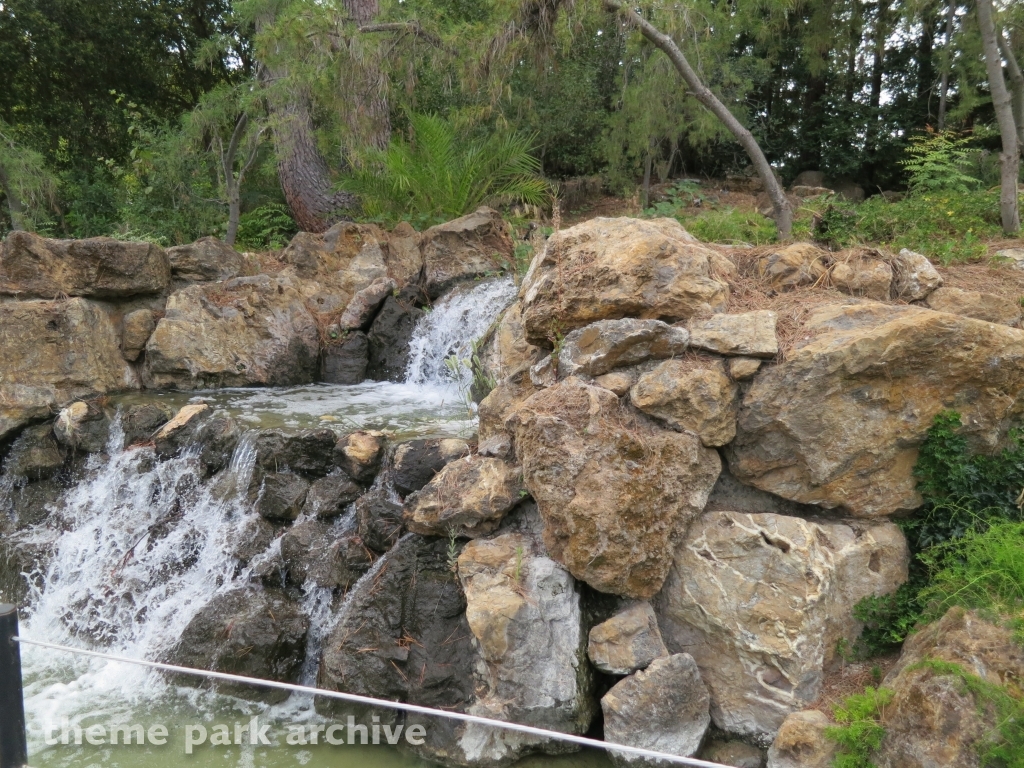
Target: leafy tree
point(26, 183)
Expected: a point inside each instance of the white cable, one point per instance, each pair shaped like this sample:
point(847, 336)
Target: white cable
point(356, 698)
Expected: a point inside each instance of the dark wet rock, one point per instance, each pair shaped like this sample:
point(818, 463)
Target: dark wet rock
point(84, 427)
point(417, 461)
point(252, 537)
point(389, 337)
point(213, 438)
point(320, 553)
point(142, 422)
point(35, 454)
point(253, 632)
point(309, 453)
point(30, 503)
point(281, 495)
point(330, 496)
point(379, 520)
point(345, 362)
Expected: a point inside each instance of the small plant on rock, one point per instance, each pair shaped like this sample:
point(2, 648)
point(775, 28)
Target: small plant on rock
point(859, 732)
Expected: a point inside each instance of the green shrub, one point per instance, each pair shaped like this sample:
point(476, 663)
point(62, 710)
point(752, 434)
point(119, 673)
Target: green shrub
point(709, 222)
point(889, 619)
point(269, 226)
point(440, 175)
point(859, 733)
point(938, 162)
point(946, 226)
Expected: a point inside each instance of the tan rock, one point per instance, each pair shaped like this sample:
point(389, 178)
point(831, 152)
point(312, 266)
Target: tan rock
point(524, 612)
point(180, 420)
point(606, 269)
point(246, 331)
point(760, 601)
point(608, 344)
point(864, 276)
point(628, 641)
point(403, 258)
point(934, 719)
point(137, 327)
point(615, 491)
point(360, 454)
point(343, 260)
point(914, 277)
point(468, 497)
point(55, 352)
point(100, 267)
point(364, 305)
point(750, 333)
point(838, 423)
point(743, 368)
point(981, 306)
point(696, 397)
point(618, 382)
point(206, 260)
point(662, 708)
point(495, 409)
point(507, 351)
point(794, 265)
point(471, 246)
point(801, 742)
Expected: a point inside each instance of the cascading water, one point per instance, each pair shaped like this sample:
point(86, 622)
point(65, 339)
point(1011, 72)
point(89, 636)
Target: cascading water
point(142, 544)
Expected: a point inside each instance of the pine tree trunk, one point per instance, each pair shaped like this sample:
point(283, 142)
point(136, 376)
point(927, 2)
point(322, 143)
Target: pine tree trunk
point(1009, 158)
point(1017, 87)
point(947, 64)
point(782, 212)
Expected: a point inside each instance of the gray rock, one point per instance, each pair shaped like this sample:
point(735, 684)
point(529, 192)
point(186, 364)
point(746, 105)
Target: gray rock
point(1014, 255)
point(389, 338)
point(628, 641)
point(417, 461)
point(809, 179)
point(206, 260)
point(330, 496)
point(379, 520)
point(662, 708)
point(914, 277)
point(35, 454)
point(141, 422)
point(83, 427)
point(607, 344)
point(281, 496)
point(251, 632)
point(195, 426)
point(471, 246)
point(364, 305)
point(751, 334)
point(346, 361)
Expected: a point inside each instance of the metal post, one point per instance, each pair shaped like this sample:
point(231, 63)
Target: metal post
point(13, 744)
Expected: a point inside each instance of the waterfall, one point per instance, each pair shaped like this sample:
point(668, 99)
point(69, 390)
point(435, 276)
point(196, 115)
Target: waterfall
point(451, 327)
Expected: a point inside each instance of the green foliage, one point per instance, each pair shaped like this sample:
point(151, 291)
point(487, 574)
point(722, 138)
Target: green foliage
point(1004, 747)
point(936, 162)
point(889, 619)
point(944, 226)
point(704, 218)
point(30, 180)
point(440, 174)
point(267, 227)
point(859, 732)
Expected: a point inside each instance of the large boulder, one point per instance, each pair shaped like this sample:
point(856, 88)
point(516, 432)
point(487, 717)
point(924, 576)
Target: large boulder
point(402, 634)
point(468, 497)
point(749, 333)
point(345, 361)
point(934, 718)
point(206, 260)
point(247, 331)
point(692, 395)
point(663, 708)
point(343, 260)
point(506, 350)
point(761, 602)
point(471, 246)
point(417, 461)
point(628, 641)
point(527, 625)
point(608, 344)
point(251, 632)
point(100, 267)
point(53, 352)
point(605, 269)
point(981, 306)
point(839, 422)
point(389, 337)
point(615, 491)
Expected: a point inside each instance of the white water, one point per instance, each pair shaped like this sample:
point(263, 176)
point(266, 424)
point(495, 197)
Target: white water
point(142, 545)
